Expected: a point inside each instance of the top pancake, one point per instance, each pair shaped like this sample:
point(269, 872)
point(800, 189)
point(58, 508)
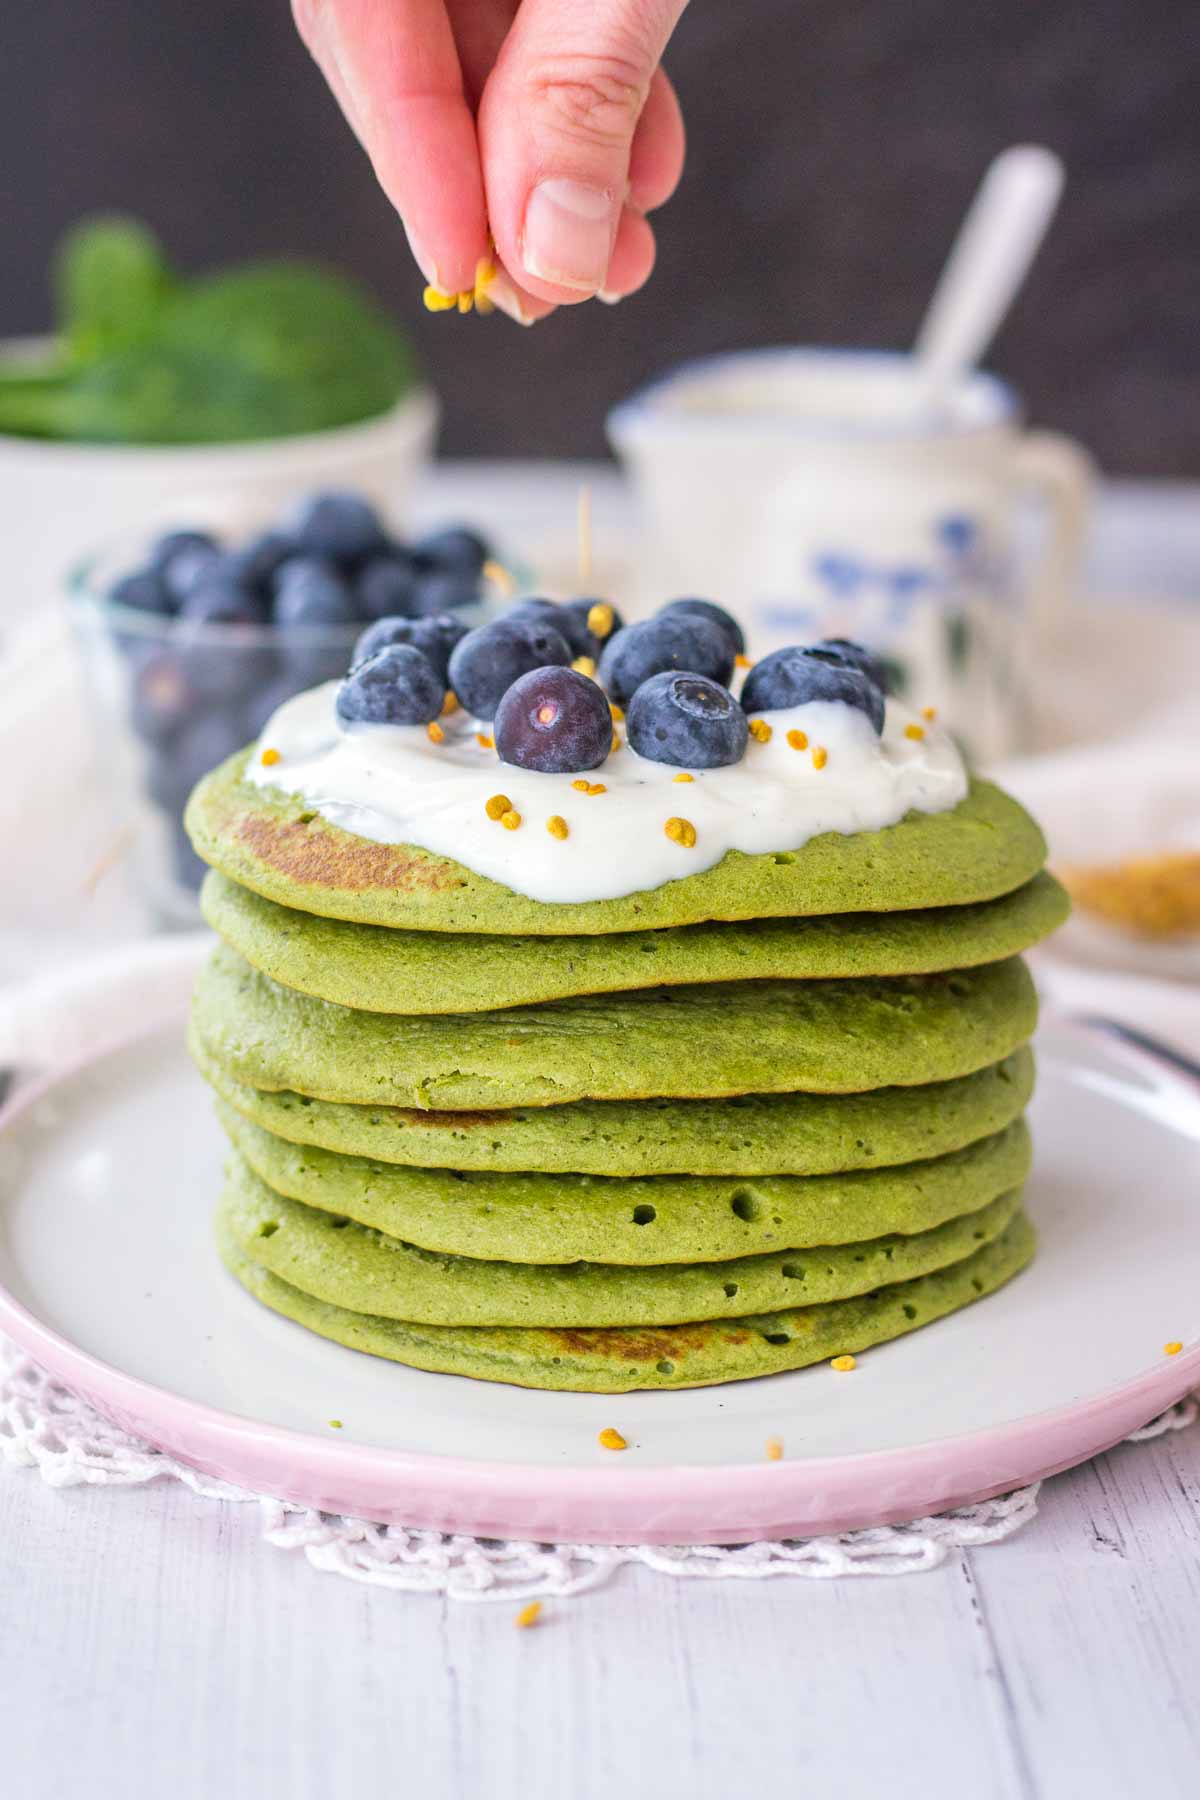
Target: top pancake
point(278, 846)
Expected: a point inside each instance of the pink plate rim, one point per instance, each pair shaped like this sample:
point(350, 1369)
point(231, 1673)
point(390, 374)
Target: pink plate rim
point(686, 1504)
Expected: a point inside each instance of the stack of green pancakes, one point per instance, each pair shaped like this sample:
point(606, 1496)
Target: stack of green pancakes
point(762, 1115)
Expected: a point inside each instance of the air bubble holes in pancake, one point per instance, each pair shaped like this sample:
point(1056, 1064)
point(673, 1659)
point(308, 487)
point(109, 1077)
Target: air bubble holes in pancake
point(665, 1368)
point(644, 1215)
point(268, 1228)
point(910, 1312)
point(731, 1288)
point(792, 1271)
point(776, 1337)
point(745, 1206)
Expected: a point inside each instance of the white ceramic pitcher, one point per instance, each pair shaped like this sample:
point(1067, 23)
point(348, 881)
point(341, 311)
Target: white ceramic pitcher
point(817, 495)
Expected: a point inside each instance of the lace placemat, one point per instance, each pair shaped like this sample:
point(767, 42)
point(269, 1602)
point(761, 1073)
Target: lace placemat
point(45, 1427)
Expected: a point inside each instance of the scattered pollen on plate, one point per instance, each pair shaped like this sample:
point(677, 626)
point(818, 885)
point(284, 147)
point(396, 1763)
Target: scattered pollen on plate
point(611, 1439)
point(843, 1364)
point(529, 1615)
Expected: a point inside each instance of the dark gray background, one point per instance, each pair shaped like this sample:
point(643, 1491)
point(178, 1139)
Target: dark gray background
point(833, 146)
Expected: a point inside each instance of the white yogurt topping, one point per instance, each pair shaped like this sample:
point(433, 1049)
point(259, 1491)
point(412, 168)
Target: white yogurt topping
point(392, 784)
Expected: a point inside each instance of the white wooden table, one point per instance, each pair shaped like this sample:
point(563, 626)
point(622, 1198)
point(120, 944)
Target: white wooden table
point(152, 1648)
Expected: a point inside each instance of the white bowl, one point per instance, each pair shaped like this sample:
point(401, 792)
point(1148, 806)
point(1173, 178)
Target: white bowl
point(57, 500)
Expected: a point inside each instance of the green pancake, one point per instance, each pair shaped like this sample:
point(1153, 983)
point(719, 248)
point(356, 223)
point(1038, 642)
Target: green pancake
point(280, 847)
point(743, 1038)
point(611, 1219)
point(616, 1360)
point(361, 1270)
point(381, 970)
point(752, 1134)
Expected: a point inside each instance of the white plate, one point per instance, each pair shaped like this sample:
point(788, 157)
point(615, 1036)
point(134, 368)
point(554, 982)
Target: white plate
point(108, 1275)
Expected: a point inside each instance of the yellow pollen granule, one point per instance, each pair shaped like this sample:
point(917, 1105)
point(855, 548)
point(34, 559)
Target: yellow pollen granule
point(798, 740)
point(466, 301)
point(600, 619)
point(916, 732)
point(743, 662)
point(529, 1615)
point(450, 703)
point(929, 712)
point(616, 743)
point(843, 1364)
point(510, 820)
point(556, 825)
point(335, 1424)
point(760, 731)
point(611, 1439)
point(584, 665)
point(484, 741)
point(582, 785)
point(268, 757)
point(485, 274)
point(437, 735)
point(615, 710)
point(683, 776)
point(497, 574)
point(497, 806)
point(436, 301)
point(820, 756)
point(774, 1449)
point(1173, 1348)
point(681, 831)
point(596, 787)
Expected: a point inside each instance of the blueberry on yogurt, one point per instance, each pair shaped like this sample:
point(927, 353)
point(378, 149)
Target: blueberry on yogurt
point(435, 638)
point(687, 721)
point(716, 615)
point(682, 641)
point(800, 673)
point(485, 663)
point(854, 656)
point(554, 720)
point(396, 686)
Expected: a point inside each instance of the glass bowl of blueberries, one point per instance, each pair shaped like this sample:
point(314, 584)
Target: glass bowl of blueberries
point(191, 642)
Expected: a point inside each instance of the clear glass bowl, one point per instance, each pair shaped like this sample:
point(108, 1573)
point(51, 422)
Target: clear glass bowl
point(170, 699)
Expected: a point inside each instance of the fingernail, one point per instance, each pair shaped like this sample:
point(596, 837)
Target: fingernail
point(608, 297)
point(506, 299)
point(568, 234)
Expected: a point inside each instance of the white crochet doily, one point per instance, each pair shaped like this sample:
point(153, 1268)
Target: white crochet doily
point(44, 1427)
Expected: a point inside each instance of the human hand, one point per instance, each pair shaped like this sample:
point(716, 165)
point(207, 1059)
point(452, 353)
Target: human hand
point(544, 128)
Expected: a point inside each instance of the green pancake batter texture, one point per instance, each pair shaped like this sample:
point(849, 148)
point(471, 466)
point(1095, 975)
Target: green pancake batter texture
point(762, 1115)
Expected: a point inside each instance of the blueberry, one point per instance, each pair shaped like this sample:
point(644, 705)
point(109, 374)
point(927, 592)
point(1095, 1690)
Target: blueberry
point(687, 721)
point(439, 593)
point(217, 598)
point(387, 586)
point(396, 686)
point(435, 638)
point(708, 609)
point(201, 743)
point(256, 563)
point(582, 639)
point(314, 611)
point(554, 720)
point(172, 543)
point(489, 659)
point(794, 675)
point(143, 591)
point(162, 695)
point(565, 619)
point(454, 551)
point(853, 656)
point(187, 568)
point(221, 630)
point(342, 526)
point(681, 641)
